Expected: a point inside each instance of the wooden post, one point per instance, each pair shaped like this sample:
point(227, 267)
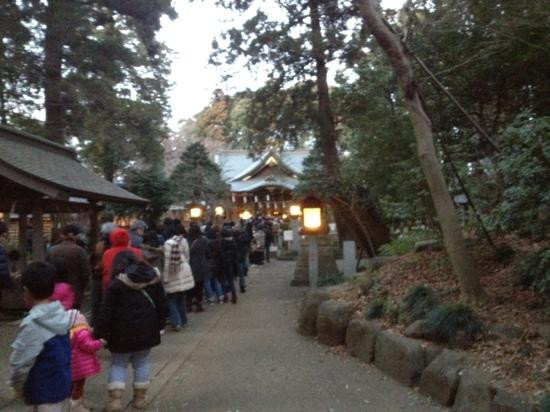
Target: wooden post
point(22, 241)
point(94, 228)
point(38, 252)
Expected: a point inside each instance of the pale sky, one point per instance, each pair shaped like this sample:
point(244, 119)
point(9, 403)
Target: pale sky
point(190, 38)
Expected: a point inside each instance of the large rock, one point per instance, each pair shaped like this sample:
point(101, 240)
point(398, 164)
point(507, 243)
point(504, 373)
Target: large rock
point(474, 392)
point(332, 322)
point(307, 321)
point(426, 245)
point(440, 379)
point(504, 331)
point(418, 329)
point(506, 402)
point(360, 339)
point(401, 358)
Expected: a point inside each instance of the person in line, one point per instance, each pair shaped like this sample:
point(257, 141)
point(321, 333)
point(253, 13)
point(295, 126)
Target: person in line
point(137, 230)
point(258, 246)
point(230, 263)
point(41, 359)
point(84, 361)
point(176, 276)
point(268, 240)
point(213, 286)
point(243, 249)
point(152, 251)
point(199, 255)
point(101, 246)
point(62, 291)
point(76, 258)
point(6, 281)
point(120, 241)
point(131, 317)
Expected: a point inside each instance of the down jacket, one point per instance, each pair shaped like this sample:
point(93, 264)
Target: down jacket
point(133, 311)
point(84, 362)
point(180, 278)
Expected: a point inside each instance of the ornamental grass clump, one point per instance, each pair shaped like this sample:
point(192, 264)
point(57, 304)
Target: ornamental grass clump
point(418, 302)
point(375, 310)
point(447, 322)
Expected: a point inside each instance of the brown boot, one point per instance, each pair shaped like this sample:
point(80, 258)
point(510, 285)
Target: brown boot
point(140, 398)
point(115, 401)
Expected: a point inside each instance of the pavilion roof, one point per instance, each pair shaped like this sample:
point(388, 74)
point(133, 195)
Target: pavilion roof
point(243, 172)
point(52, 171)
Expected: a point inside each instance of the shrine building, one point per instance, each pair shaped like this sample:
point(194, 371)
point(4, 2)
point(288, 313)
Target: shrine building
point(264, 185)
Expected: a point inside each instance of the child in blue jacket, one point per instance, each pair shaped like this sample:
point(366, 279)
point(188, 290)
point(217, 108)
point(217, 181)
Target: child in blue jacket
point(41, 358)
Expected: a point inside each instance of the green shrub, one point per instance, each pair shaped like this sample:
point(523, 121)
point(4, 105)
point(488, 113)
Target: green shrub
point(375, 310)
point(545, 403)
point(417, 303)
point(404, 243)
point(335, 279)
point(365, 284)
point(391, 311)
point(534, 271)
point(447, 320)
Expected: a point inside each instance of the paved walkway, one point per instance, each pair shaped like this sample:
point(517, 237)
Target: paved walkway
point(248, 357)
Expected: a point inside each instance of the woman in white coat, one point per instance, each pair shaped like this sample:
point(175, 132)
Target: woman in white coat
point(177, 276)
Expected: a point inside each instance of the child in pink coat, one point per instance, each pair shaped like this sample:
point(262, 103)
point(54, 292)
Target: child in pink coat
point(84, 362)
point(63, 291)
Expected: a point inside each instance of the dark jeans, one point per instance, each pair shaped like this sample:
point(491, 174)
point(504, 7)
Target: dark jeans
point(195, 295)
point(267, 247)
point(176, 307)
point(95, 297)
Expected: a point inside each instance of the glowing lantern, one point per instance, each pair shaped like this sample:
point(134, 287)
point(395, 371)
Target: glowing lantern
point(295, 211)
point(245, 215)
point(219, 211)
point(195, 211)
point(312, 215)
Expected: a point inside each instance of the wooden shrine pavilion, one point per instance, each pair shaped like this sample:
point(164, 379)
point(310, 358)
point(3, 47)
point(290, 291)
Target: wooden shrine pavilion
point(38, 176)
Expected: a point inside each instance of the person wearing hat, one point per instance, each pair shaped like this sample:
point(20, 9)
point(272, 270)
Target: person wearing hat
point(76, 260)
point(137, 230)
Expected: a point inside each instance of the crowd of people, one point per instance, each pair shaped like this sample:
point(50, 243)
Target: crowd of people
point(143, 282)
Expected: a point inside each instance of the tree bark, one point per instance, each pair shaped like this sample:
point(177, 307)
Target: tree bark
point(452, 233)
point(371, 231)
point(53, 60)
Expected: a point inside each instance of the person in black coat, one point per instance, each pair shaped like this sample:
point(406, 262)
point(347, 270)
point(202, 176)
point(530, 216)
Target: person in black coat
point(230, 263)
point(213, 288)
point(131, 317)
point(199, 253)
point(243, 249)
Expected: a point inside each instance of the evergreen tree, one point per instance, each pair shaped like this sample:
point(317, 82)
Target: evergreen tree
point(197, 178)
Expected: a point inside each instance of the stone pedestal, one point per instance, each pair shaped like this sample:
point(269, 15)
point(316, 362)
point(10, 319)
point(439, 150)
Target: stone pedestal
point(327, 261)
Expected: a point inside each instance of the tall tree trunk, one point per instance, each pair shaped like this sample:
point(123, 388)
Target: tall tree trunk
point(53, 60)
point(452, 233)
point(372, 230)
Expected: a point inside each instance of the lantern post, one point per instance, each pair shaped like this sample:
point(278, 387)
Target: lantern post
point(295, 211)
point(312, 226)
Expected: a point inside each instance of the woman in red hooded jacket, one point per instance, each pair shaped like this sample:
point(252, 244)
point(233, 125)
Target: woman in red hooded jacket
point(120, 240)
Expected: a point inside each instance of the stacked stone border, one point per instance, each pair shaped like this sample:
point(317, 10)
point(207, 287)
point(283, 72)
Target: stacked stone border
point(445, 375)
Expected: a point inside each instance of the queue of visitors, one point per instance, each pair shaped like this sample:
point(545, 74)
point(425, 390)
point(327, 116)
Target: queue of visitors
point(139, 279)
